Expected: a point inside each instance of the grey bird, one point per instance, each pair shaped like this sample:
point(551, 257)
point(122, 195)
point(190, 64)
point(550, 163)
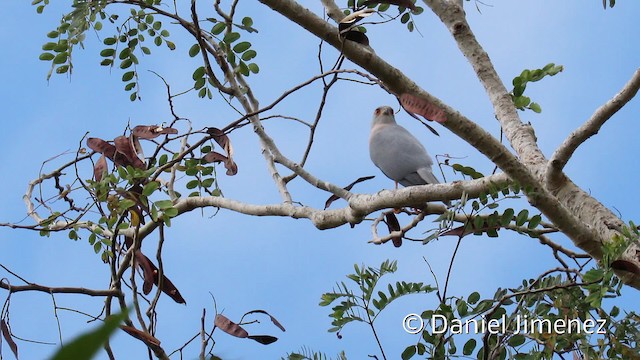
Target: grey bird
point(398, 153)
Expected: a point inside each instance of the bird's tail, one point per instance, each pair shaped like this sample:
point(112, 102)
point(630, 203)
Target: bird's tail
point(427, 175)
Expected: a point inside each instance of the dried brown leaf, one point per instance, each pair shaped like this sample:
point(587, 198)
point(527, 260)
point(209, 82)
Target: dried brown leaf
point(126, 153)
point(273, 320)
point(420, 106)
point(149, 271)
point(223, 140)
point(6, 334)
point(150, 276)
point(102, 147)
point(148, 132)
point(263, 339)
point(333, 198)
point(140, 335)
point(229, 164)
point(230, 327)
point(459, 231)
point(393, 225)
point(100, 168)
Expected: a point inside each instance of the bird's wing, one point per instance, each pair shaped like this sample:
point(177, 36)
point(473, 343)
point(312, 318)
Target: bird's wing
point(398, 153)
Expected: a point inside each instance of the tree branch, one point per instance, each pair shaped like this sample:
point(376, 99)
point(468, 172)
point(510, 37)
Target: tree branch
point(591, 127)
point(59, 290)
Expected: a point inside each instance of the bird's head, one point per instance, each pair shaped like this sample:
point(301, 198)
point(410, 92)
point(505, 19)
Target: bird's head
point(383, 115)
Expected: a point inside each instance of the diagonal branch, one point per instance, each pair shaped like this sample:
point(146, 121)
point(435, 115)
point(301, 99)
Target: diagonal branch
point(399, 83)
point(591, 127)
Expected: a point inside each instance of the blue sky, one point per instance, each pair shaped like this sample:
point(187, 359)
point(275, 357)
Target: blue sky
point(283, 265)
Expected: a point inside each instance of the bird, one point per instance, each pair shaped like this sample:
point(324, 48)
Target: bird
point(397, 153)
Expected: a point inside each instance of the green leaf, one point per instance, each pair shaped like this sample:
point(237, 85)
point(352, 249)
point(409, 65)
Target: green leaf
point(241, 47)
point(409, 352)
point(468, 347)
point(193, 184)
point(170, 45)
point(231, 37)
point(125, 204)
point(535, 107)
point(194, 50)
point(516, 340)
point(150, 188)
point(61, 58)
point(218, 28)
point(253, 67)
point(62, 69)
point(107, 52)
point(86, 346)
point(126, 64)
point(248, 55)
point(128, 76)
point(171, 212)
point(163, 204)
point(49, 46)
point(507, 217)
point(247, 21)
point(522, 217)
point(199, 84)
point(473, 297)
point(46, 56)
point(534, 222)
point(615, 311)
point(198, 73)
point(110, 41)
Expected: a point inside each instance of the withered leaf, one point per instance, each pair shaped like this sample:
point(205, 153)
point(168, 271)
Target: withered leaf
point(333, 198)
point(100, 168)
point(229, 164)
point(150, 276)
point(223, 140)
point(393, 225)
point(148, 132)
point(459, 231)
point(230, 327)
point(6, 334)
point(402, 3)
point(140, 335)
point(126, 153)
point(148, 271)
point(273, 320)
point(420, 106)
point(263, 339)
point(100, 146)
